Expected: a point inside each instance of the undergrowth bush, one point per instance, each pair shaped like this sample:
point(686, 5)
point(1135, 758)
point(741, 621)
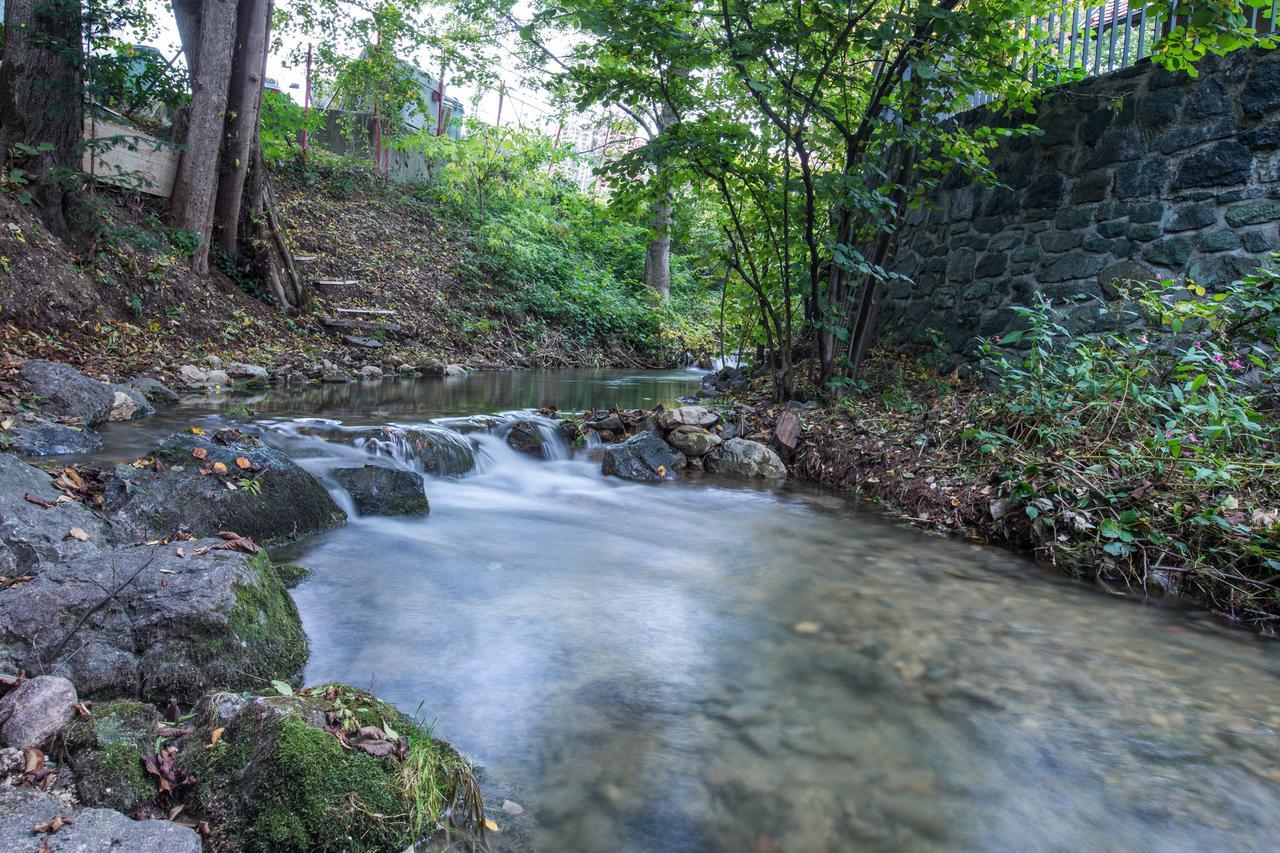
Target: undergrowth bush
point(1150, 451)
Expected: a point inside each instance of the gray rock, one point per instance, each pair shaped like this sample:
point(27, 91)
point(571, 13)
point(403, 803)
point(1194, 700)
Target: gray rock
point(371, 372)
point(63, 390)
point(36, 710)
point(193, 376)
point(377, 490)
point(41, 437)
point(251, 372)
point(175, 625)
point(105, 751)
point(90, 830)
point(687, 416)
point(156, 392)
point(606, 423)
point(644, 457)
point(454, 371)
point(526, 437)
point(129, 404)
point(213, 362)
point(1253, 213)
point(693, 440)
point(218, 379)
point(287, 501)
point(32, 536)
point(745, 459)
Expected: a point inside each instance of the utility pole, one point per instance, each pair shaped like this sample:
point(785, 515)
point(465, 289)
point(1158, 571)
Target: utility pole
point(440, 110)
point(502, 94)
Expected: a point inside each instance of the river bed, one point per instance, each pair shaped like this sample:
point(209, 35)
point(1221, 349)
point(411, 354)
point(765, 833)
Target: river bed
point(704, 665)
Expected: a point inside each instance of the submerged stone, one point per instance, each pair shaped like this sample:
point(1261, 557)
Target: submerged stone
point(644, 457)
point(377, 490)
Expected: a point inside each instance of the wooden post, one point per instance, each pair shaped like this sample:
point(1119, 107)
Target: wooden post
point(306, 105)
point(440, 109)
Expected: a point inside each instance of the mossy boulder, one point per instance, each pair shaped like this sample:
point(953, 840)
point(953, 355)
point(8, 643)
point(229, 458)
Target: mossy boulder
point(104, 751)
point(207, 484)
point(155, 621)
point(278, 780)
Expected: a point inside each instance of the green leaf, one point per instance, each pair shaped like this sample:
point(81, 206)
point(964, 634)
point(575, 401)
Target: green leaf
point(282, 687)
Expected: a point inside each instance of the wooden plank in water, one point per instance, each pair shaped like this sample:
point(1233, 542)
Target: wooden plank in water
point(333, 282)
point(387, 311)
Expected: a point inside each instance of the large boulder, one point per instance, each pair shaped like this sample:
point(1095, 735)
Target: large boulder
point(280, 780)
point(63, 390)
point(89, 830)
point(36, 710)
point(693, 440)
point(748, 460)
point(699, 416)
point(105, 751)
point(377, 490)
point(154, 621)
point(36, 436)
point(203, 485)
point(36, 528)
point(442, 452)
point(644, 457)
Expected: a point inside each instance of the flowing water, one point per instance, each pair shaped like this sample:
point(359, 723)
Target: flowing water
point(707, 666)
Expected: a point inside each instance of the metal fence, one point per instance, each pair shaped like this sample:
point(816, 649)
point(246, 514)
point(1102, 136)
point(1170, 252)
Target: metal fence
point(1107, 37)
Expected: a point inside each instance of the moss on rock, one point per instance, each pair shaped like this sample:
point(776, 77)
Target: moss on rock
point(104, 751)
point(277, 780)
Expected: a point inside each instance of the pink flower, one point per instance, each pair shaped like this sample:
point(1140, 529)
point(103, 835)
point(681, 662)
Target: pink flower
point(1236, 364)
point(1168, 433)
point(996, 339)
point(1191, 437)
point(1142, 339)
point(1199, 345)
point(1217, 357)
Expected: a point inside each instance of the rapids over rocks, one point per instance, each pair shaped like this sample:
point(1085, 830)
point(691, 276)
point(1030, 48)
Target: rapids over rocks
point(708, 665)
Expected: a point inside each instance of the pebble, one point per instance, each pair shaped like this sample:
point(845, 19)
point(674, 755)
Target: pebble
point(512, 808)
point(806, 628)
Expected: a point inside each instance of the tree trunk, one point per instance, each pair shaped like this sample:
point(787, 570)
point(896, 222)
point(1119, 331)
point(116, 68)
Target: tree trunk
point(244, 105)
point(657, 255)
point(196, 182)
point(42, 101)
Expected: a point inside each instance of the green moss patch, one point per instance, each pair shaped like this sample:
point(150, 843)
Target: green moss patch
point(278, 780)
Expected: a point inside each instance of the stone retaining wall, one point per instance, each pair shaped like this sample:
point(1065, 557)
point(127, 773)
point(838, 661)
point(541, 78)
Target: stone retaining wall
point(1141, 174)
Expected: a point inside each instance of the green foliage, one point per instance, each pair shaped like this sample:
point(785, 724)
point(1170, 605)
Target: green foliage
point(1157, 442)
point(556, 261)
point(282, 122)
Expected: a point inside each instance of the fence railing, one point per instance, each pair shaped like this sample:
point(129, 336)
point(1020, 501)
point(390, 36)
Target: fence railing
point(1097, 39)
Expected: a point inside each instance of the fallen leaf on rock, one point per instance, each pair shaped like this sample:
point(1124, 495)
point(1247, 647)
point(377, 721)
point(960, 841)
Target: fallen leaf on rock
point(214, 737)
point(199, 453)
point(197, 431)
point(32, 760)
point(168, 775)
point(219, 468)
point(491, 826)
point(82, 708)
point(77, 534)
point(243, 463)
point(245, 546)
point(37, 500)
point(173, 731)
point(52, 826)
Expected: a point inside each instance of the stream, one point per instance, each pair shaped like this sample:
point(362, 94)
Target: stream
point(705, 665)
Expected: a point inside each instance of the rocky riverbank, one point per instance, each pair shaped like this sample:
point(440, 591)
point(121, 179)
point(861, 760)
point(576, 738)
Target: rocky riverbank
point(151, 655)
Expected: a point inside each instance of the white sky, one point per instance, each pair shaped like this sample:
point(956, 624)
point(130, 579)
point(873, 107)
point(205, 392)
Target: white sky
point(528, 105)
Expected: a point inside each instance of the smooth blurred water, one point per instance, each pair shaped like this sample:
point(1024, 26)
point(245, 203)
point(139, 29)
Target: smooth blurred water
point(632, 664)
